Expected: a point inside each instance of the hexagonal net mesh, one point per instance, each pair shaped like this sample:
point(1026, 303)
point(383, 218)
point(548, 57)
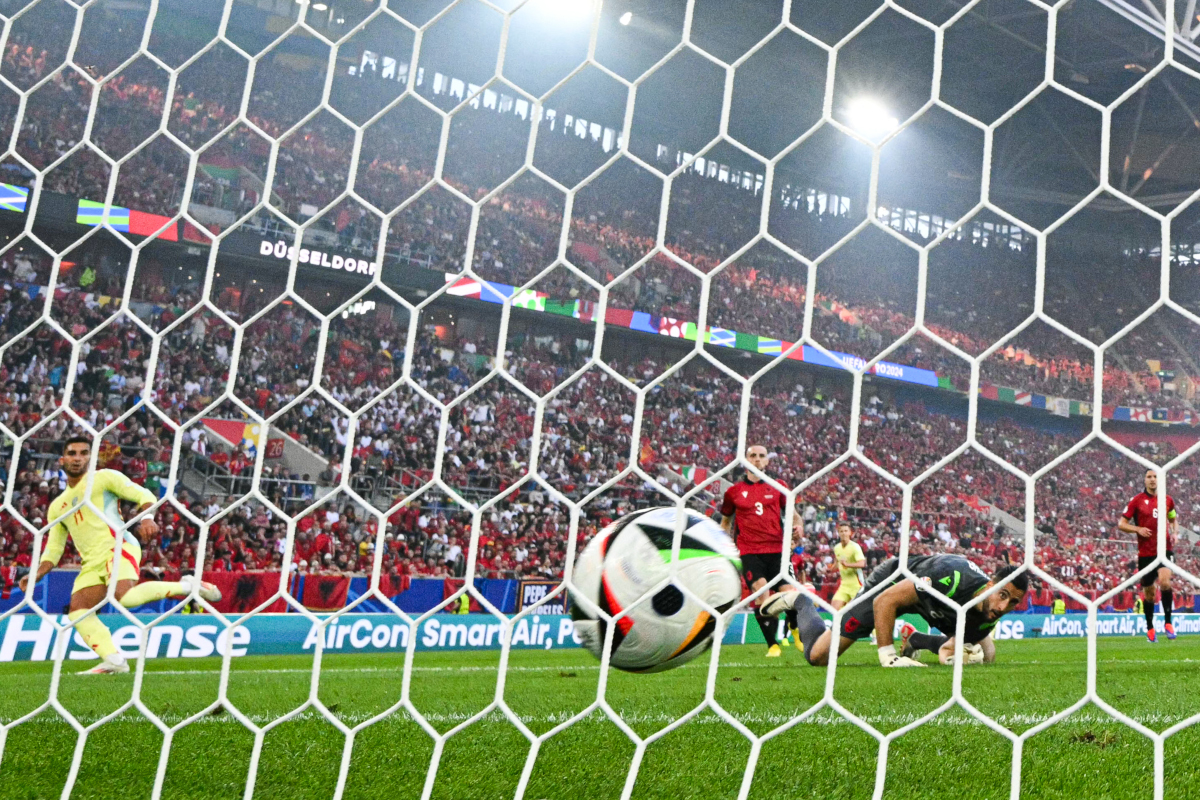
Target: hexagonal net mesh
point(374, 294)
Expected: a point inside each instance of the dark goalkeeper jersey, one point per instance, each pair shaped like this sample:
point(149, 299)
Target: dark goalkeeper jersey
point(955, 577)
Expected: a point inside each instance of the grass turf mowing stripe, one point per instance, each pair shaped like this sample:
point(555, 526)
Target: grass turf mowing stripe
point(953, 716)
point(1087, 755)
point(700, 664)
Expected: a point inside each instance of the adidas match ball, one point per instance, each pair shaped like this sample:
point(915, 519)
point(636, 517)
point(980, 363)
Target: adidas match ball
point(631, 557)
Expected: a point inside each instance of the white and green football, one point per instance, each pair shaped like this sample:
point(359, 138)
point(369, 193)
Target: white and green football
point(630, 558)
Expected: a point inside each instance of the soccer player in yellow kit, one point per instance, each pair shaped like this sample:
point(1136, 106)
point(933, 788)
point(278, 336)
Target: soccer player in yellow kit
point(94, 535)
point(850, 560)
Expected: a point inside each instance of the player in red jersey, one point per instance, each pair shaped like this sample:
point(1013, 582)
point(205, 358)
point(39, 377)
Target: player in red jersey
point(1141, 517)
point(752, 512)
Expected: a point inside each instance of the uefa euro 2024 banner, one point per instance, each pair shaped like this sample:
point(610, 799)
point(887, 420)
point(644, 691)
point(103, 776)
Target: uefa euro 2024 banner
point(27, 637)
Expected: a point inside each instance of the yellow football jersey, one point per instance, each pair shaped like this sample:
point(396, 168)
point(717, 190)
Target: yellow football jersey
point(851, 552)
point(93, 533)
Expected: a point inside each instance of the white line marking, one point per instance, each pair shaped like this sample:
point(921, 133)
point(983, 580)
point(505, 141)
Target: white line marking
point(659, 718)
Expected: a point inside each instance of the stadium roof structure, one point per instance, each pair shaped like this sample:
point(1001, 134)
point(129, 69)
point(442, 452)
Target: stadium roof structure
point(1046, 157)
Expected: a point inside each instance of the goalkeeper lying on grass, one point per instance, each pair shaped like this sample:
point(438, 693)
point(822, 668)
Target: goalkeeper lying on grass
point(951, 576)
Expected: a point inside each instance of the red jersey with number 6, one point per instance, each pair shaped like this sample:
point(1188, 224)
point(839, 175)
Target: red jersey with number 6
point(1143, 512)
point(759, 521)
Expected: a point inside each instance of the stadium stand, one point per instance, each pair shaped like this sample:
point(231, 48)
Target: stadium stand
point(690, 420)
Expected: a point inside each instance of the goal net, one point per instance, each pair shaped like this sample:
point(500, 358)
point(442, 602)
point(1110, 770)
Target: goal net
point(393, 306)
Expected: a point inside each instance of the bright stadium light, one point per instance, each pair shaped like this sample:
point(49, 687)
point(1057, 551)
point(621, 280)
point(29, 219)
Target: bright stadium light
point(565, 12)
point(870, 117)
point(626, 18)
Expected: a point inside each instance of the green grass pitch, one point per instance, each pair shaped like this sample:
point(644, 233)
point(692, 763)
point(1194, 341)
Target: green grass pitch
point(1088, 755)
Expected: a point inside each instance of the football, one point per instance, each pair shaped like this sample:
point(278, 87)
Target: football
point(630, 558)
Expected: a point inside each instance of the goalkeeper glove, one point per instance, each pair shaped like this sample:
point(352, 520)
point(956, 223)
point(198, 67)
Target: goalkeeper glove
point(889, 658)
point(974, 654)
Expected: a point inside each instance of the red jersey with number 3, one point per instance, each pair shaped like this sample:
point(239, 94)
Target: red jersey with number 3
point(759, 520)
point(1143, 512)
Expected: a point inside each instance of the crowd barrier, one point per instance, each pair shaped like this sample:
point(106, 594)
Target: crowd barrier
point(244, 591)
point(29, 638)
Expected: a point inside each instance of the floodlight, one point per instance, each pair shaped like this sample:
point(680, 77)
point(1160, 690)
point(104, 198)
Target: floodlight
point(565, 11)
point(870, 117)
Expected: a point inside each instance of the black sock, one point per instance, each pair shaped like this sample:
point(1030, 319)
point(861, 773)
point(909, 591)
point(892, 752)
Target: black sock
point(809, 623)
point(768, 626)
point(1148, 609)
point(927, 641)
point(791, 619)
point(1168, 600)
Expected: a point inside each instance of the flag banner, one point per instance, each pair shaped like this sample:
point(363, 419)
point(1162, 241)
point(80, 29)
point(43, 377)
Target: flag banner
point(721, 337)
point(325, 592)
point(495, 292)
point(641, 321)
point(746, 341)
point(393, 584)
point(618, 316)
point(669, 326)
point(155, 225)
point(231, 430)
point(192, 234)
point(464, 287)
point(570, 309)
point(1159, 415)
point(13, 198)
point(245, 591)
point(771, 347)
point(227, 176)
point(92, 213)
point(1139, 414)
point(586, 310)
point(529, 299)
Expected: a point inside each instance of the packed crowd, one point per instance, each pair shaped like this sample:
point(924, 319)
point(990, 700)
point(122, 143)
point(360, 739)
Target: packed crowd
point(977, 294)
point(586, 440)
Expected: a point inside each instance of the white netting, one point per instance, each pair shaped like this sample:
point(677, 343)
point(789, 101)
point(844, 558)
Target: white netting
point(271, 211)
